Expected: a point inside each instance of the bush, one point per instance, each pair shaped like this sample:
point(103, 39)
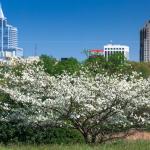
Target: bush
point(37, 134)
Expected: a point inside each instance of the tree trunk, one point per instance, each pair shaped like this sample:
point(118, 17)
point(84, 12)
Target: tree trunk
point(86, 138)
point(93, 139)
point(89, 139)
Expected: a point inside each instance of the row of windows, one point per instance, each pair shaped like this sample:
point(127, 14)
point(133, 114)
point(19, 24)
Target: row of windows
point(114, 48)
point(110, 52)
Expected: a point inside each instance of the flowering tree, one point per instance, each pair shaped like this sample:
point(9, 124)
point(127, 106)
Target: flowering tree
point(97, 106)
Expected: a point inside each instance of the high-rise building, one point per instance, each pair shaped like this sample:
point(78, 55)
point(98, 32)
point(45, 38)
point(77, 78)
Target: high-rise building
point(8, 39)
point(145, 43)
point(110, 49)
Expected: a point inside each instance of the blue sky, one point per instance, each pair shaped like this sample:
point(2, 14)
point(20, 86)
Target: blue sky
point(63, 28)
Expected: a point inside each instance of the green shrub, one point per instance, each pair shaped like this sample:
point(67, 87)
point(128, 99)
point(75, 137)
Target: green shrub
point(37, 134)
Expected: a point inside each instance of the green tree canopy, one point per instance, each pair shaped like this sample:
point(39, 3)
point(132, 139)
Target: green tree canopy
point(49, 63)
point(70, 65)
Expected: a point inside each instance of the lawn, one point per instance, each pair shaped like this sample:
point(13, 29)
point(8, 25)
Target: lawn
point(140, 145)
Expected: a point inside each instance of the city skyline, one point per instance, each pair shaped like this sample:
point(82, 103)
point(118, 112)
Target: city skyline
point(64, 29)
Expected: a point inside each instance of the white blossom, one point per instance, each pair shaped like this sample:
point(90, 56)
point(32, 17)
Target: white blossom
point(84, 98)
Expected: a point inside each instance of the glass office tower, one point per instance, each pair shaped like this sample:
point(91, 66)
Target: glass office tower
point(8, 39)
point(145, 43)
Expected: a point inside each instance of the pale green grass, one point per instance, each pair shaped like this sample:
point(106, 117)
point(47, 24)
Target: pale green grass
point(140, 145)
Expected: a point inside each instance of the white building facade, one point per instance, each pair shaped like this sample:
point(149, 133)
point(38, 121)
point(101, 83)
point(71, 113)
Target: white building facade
point(110, 49)
point(8, 39)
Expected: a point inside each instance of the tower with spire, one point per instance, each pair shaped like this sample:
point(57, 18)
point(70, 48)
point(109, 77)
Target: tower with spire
point(8, 39)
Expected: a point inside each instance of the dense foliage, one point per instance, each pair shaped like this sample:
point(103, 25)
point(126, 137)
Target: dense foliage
point(18, 132)
point(97, 98)
point(115, 64)
point(143, 68)
point(54, 67)
point(97, 106)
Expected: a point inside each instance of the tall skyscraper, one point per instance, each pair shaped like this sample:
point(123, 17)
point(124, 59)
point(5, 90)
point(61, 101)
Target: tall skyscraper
point(8, 39)
point(145, 43)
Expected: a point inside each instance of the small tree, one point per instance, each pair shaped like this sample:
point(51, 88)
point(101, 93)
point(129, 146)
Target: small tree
point(48, 63)
point(70, 65)
point(141, 67)
point(114, 64)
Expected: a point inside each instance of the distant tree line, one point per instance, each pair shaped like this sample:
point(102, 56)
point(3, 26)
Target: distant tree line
point(115, 64)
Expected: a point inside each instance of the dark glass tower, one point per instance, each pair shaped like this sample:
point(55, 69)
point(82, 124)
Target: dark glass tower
point(145, 43)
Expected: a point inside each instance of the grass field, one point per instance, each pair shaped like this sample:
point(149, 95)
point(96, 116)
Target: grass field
point(140, 145)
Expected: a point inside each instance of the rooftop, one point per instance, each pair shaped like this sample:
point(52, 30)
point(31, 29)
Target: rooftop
point(116, 45)
point(1, 13)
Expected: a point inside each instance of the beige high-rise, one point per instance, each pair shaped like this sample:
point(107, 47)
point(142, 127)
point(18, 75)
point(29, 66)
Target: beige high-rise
point(145, 43)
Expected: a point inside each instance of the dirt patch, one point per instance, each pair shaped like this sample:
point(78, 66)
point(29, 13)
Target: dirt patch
point(138, 135)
